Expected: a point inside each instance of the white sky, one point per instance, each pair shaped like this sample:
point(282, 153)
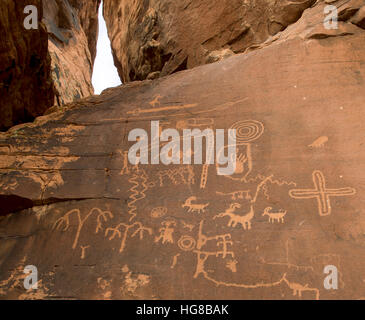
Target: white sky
point(105, 74)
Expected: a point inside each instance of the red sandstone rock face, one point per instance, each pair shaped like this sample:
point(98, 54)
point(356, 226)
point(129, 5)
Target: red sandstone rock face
point(97, 227)
point(38, 69)
point(155, 38)
point(72, 27)
point(25, 86)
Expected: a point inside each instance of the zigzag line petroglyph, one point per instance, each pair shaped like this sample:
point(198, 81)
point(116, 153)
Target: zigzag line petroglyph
point(105, 215)
point(137, 195)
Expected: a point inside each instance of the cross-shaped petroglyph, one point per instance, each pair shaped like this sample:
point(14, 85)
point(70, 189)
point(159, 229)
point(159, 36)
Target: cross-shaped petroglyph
point(321, 193)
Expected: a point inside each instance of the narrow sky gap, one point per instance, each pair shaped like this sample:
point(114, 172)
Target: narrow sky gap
point(105, 74)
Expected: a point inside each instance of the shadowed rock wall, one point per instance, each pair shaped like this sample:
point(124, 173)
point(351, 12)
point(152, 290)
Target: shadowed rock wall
point(51, 65)
point(26, 90)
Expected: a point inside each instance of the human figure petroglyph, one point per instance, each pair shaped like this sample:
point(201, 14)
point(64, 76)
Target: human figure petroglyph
point(65, 221)
point(223, 242)
point(321, 193)
point(194, 207)
point(235, 219)
point(166, 232)
point(116, 232)
point(274, 216)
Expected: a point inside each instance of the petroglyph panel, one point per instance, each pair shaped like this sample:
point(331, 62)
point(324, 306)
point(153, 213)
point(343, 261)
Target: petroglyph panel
point(73, 205)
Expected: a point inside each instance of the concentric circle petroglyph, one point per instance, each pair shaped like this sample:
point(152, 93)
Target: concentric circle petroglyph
point(186, 243)
point(248, 130)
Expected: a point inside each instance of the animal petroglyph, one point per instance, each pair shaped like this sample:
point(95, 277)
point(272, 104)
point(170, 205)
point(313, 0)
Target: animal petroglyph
point(166, 232)
point(274, 216)
point(64, 222)
point(298, 289)
point(235, 219)
point(192, 207)
point(116, 232)
point(188, 226)
point(156, 101)
point(319, 143)
point(321, 193)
